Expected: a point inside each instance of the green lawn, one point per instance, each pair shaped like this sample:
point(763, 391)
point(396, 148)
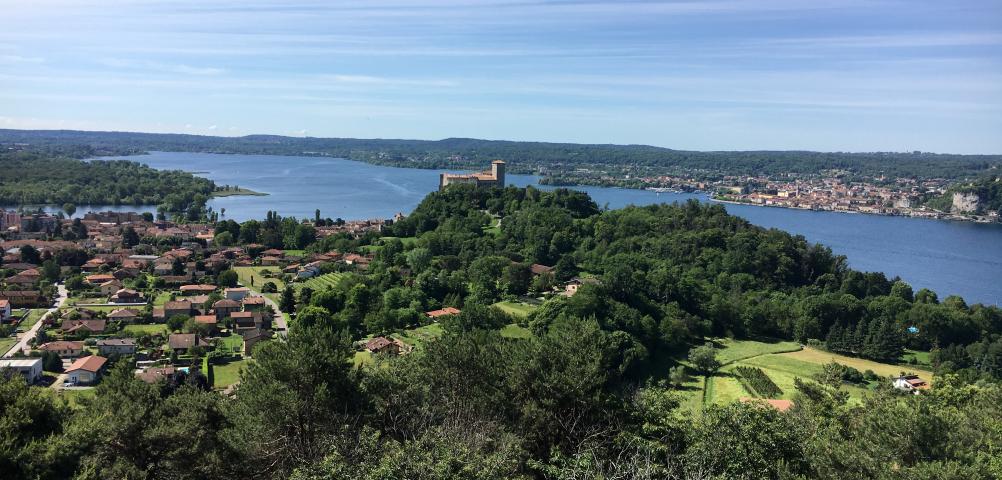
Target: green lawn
point(921, 358)
point(33, 317)
point(515, 331)
point(6, 343)
point(73, 397)
point(228, 374)
point(734, 350)
point(820, 357)
point(145, 329)
point(232, 343)
point(417, 336)
point(91, 299)
point(162, 298)
point(361, 358)
point(248, 274)
point(517, 309)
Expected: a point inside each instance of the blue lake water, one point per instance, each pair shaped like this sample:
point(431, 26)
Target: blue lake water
point(948, 257)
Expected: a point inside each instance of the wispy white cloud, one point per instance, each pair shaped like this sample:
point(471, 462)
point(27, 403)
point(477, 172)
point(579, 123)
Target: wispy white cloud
point(385, 81)
point(178, 68)
point(909, 40)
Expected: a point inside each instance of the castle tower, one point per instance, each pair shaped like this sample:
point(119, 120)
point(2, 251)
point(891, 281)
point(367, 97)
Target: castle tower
point(497, 168)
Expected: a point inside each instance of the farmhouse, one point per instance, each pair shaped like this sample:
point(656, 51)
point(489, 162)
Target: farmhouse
point(910, 383)
point(382, 345)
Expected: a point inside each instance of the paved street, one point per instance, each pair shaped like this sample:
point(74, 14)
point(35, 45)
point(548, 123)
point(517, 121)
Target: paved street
point(278, 322)
point(26, 337)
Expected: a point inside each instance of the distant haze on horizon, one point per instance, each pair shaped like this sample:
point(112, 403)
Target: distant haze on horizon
point(841, 75)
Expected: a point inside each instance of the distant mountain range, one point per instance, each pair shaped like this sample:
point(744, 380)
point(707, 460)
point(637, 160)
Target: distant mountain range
point(523, 157)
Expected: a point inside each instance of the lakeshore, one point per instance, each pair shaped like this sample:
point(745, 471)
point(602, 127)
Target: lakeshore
point(945, 256)
point(928, 215)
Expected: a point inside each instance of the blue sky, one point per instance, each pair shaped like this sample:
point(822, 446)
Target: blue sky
point(841, 75)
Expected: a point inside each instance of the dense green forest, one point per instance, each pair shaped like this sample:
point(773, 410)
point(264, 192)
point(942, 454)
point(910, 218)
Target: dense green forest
point(582, 397)
point(41, 177)
point(523, 157)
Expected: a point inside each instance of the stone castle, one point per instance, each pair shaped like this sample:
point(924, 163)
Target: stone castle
point(492, 178)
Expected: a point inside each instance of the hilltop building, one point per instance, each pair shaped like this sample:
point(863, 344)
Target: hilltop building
point(492, 178)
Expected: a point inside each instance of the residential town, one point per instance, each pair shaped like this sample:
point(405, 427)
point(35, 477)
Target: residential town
point(161, 294)
point(828, 191)
point(899, 197)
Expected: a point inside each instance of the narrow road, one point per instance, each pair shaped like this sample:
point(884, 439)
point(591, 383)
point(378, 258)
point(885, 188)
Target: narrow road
point(27, 337)
point(278, 322)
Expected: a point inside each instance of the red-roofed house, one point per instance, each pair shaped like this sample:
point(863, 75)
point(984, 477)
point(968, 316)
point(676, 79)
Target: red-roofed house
point(382, 345)
point(209, 321)
point(910, 383)
point(63, 348)
point(197, 289)
point(443, 312)
point(86, 370)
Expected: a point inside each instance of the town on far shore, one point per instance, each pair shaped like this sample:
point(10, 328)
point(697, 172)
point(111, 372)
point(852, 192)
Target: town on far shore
point(831, 190)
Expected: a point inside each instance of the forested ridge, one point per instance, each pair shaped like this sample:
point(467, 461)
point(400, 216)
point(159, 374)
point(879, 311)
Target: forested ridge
point(582, 397)
point(523, 157)
point(41, 177)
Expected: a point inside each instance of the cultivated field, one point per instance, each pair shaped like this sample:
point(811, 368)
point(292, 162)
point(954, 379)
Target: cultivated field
point(322, 282)
point(782, 363)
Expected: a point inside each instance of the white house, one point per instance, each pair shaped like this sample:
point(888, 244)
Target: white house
point(236, 293)
point(30, 368)
point(86, 370)
point(4, 310)
point(309, 270)
point(910, 383)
